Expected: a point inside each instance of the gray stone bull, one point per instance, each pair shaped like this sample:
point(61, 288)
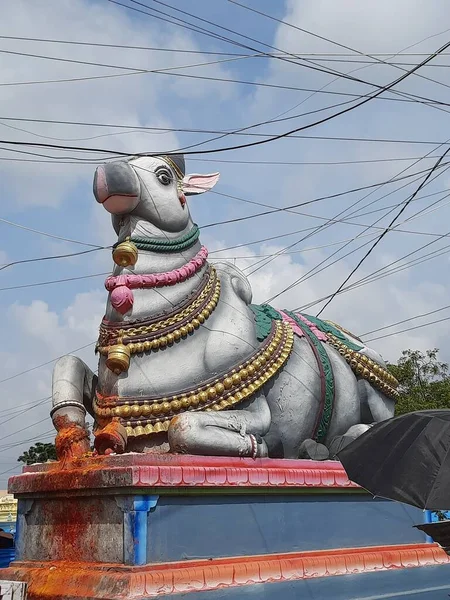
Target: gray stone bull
point(187, 363)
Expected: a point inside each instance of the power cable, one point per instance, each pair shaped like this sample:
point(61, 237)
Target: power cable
point(309, 64)
point(380, 337)
point(48, 362)
point(431, 312)
point(386, 231)
point(282, 235)
point(276, 137)
point(238, 162)
point(50, 235)
point(311, 273)
point(328, 197)
point(204, 52)
point(138, 129)
point(248, 47)
point(287, 24)
point(328, 223)
point(53, 257)
point(384, 272)
point(54, 281)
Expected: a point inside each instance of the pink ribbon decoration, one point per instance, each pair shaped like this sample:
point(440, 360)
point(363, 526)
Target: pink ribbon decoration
point(120, 286)
point(319, 334)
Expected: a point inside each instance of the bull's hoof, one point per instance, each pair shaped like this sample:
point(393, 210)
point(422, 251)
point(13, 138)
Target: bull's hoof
point(313, 450)
point(111, 439)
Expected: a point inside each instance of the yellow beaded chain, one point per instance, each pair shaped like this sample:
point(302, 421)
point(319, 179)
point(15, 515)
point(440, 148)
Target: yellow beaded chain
point(367, 368)
point(192, 312)
point(219, 394)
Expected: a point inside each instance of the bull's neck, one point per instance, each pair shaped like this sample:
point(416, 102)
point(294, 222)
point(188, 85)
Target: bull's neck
point(151, 302)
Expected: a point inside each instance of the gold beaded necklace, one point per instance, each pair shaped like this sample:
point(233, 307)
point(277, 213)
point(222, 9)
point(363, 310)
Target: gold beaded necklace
point(149, 415)
point(119, 344)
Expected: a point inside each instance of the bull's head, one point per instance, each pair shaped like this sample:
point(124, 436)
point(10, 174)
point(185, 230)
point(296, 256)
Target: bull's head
point(151, 188)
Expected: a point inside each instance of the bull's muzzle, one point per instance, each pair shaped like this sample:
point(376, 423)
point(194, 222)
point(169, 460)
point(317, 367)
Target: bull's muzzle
point(117, 187)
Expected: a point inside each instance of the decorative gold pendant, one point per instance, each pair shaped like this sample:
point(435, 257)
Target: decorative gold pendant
point(125, 254)
point(118, 358)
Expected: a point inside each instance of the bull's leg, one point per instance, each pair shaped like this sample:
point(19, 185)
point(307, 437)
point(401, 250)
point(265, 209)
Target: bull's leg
point(375, 406)
point(228, 433)
point(72, 394)
point(340, 441)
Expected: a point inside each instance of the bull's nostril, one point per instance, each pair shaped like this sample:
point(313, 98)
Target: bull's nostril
point(101, 192)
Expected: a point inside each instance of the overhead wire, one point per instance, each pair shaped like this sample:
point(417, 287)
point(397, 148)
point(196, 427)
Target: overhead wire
point(275, 137)
point(383, 272)
point(139, 128)
point(205, 52)
point(52, 257)
point(380, 337)
point(385, 88)
point(298, 205)
point(50, 235)
point(372, 248)
point(233, 41)
point(284, 54)
point(317, 268)
point(426, 314)
point(44, 364)
point(311, 33)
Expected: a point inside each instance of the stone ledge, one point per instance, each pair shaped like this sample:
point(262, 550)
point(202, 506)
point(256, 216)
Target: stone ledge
point(143, 471)
point(107, 581)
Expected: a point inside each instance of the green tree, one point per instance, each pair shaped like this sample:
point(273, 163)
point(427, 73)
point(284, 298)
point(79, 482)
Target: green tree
point(39, 453)
point(424, 381)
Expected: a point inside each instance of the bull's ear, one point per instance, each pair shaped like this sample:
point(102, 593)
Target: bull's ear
point(197, 184)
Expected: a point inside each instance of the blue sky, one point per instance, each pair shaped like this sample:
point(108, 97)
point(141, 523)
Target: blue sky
point(43, 322)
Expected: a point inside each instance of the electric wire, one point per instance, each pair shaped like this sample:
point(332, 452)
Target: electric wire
point(307, 63)
point(431, 312)
point(380, 61)
point(139, 128)
point(317, 269)
point(50, 235)
point(52, 257)
point(275, 137)
point(44, 364)
point(384, 232)
point(383, 272)
point(380, 337)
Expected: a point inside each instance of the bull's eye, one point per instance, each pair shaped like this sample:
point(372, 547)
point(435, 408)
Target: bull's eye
point(164, 177)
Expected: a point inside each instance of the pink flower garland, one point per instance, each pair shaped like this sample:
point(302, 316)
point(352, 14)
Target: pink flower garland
point(120, 287)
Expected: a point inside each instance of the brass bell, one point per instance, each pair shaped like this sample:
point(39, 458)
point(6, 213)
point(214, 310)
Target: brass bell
point(125, 254)
point(118, 358)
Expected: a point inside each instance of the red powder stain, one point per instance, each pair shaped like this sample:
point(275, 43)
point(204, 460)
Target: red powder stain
point(112, 438)
point(72, 440)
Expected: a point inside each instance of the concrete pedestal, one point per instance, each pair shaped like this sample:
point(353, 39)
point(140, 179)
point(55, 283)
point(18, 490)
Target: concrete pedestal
point(144, 526)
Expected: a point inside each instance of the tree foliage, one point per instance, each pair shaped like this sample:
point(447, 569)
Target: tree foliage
point(39, 453)
point(424, 381)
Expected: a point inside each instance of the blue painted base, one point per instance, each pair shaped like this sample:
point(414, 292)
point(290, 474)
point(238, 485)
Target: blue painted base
point(183, 528)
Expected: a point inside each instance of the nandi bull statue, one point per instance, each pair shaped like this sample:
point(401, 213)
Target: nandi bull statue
point(187, 363)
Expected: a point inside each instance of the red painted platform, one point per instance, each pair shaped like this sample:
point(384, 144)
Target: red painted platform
point(168, 471)
point(96, 581)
